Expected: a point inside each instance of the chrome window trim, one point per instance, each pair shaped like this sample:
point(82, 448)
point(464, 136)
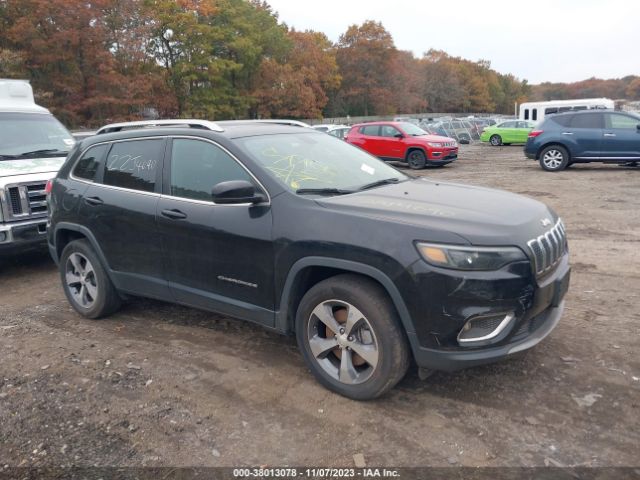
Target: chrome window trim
point(161, 195)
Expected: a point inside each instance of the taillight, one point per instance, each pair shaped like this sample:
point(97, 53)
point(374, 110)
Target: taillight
point(535, 133)
point(48, 187)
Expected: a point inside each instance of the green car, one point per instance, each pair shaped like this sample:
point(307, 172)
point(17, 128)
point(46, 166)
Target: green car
point(505, 133)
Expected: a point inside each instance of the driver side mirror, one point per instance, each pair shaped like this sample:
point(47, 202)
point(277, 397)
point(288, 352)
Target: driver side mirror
point(235, 192)
point(399, 136)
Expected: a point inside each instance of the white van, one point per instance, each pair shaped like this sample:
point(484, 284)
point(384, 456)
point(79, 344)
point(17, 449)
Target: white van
point(536, 111)
point(33, 146)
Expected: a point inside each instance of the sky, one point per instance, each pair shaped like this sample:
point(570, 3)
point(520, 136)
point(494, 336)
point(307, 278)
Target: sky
point(541, 40)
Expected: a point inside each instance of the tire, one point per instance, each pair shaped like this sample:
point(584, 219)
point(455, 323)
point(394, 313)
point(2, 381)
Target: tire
point(85, 282)
point(376, 331)
point(495, 140)
point(416, 159)
point(554, 158)
point(464, 139)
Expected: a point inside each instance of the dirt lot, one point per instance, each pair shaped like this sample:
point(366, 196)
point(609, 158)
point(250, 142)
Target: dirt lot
point(162, 385)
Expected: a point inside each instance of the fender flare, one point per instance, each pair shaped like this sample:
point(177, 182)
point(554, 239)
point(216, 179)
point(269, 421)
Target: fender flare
point(87, 234)
point(283, 322)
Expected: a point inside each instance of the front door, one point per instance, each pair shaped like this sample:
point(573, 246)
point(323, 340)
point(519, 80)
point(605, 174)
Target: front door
point(218, 257)
point(392, 143)
point(621, 137)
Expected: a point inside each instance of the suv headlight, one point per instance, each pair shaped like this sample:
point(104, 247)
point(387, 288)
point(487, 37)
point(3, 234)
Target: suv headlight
point(469, 258)
point(434, 144)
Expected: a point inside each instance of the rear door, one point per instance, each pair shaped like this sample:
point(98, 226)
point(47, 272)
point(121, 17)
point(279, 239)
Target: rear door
point(585, 134)
point(369, 139)
point(621, 137)
point(218, 257)
point(119, 208)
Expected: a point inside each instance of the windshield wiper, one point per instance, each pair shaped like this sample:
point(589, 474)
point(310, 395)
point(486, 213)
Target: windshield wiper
point(44, 151)
point(379, 183)
point(322, 191)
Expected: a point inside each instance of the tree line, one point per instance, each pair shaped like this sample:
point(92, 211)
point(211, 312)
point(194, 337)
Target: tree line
point(108, 60)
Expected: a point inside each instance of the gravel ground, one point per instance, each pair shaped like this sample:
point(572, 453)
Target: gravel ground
point(162, 385)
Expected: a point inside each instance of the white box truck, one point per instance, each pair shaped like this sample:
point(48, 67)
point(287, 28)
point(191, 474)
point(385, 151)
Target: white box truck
point(33, 146)
point(536, 111)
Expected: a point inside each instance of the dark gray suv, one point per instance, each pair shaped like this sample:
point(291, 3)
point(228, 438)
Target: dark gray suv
point(583, 137)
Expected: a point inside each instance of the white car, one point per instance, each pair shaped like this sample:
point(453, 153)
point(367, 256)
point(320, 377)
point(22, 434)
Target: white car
point(339, 131)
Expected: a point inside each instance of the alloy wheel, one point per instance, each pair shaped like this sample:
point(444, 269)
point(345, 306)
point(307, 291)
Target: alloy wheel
point(343, 342)
point(553, 159)
point(81, 280)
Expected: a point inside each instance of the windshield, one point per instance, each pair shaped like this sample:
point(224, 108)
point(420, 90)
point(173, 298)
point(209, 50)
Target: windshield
point(411, 129)
point(313, 161)
point(32, 135)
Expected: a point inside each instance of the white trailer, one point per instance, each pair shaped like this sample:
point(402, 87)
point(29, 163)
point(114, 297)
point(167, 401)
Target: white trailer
point(536, 111)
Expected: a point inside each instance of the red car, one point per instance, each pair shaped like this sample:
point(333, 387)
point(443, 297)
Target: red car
point(403, 141)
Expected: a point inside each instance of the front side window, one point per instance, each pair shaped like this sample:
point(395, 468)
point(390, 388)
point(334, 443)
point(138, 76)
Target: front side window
point(307, 160)
point(134, 164)
point(197, 165)
point(388, 131)
point(615, 120)
point(87, 166)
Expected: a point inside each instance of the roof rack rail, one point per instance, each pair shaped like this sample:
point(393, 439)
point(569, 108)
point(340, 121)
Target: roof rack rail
point(295, 123)
point(191, 123)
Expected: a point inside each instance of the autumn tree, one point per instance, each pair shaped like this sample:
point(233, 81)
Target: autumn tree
point(297, 86)
point(365, 54)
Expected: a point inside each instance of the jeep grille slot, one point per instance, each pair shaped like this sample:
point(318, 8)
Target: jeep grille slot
point(548, 249)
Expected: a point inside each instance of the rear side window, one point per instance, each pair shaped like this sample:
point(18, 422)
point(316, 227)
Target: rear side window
point(526, 114)
point(196, 166)
point(88, 164)
point(588, 120)
point(370, 130)
point(534, 114)
point(134, 164)
point(562, 120)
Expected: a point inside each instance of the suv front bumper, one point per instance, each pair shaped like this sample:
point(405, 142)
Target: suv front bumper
point(453, 360)
point(19, 235)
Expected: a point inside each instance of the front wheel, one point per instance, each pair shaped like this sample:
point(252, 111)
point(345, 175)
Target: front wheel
point(495, 140)
point(554, 158)
point(416, 159)
point(351, 338)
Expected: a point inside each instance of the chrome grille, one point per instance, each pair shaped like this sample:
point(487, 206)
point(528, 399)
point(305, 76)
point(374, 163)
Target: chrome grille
point(25, 200)
point(548, 248)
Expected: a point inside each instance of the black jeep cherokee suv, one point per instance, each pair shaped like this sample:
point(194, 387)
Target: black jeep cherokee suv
point(300, 232)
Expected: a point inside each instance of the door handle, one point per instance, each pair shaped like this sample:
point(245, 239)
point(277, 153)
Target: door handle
point(174, 214)
point(93, 201)
point(567, 133)
point(609, 134)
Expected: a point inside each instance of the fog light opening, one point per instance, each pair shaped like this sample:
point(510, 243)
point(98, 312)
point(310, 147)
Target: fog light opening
point(484, 328)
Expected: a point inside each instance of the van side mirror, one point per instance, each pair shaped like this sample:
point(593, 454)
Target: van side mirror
point(236, 191)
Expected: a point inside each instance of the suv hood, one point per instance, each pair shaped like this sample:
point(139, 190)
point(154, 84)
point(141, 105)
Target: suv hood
point(433, 138)
point(482, 216)
point(10, 168)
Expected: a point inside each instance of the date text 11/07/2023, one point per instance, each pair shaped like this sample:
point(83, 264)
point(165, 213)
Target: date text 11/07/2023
point(315, 473)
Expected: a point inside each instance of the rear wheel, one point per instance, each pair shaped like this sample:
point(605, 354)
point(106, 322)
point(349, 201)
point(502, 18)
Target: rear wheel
point(416, 159)
point(350, 336)
point(85, 281)
point(554, 158)
point(495, 140)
